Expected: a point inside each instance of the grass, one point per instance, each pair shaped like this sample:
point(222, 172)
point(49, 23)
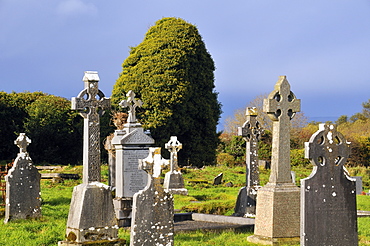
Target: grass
point(203, 198)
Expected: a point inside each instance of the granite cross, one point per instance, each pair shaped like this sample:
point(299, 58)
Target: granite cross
point(90, 103)
point(281, 106)
point(22, 142)
point(154, 163)
point(131, 103)
point(251, 132)
point(173, 146)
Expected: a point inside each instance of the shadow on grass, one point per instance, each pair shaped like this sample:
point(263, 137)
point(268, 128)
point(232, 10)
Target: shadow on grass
point(57, 201)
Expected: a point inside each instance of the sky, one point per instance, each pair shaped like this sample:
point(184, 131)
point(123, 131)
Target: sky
point(323, 47)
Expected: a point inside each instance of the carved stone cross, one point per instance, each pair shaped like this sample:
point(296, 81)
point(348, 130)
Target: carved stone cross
point(281, 106)
point(251, 132)
point(22, 142)
point(90, 103)
point(131, 103)
point(327, 148)
point(173, 146)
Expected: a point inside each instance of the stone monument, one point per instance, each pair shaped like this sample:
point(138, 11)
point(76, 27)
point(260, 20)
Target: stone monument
point(251, 132)
point(91, 216)
point(22, 185)
point(173, 180)
point(277, 211)
point(130, 144)
point(328, 195)
point(152, 210)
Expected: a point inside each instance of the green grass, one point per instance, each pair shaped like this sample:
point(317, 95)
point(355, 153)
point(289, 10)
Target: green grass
point(203, 198)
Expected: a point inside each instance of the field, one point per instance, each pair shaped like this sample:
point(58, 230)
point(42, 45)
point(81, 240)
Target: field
point(202, 198)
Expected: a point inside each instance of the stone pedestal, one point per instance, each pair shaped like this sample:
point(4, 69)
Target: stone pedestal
point(277, 215)
point(246, 202)
point(91, 216)
point(174, 183)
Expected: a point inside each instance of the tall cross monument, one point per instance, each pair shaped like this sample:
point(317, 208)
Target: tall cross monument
point(278, 207)
point(251, 132)
point(90, 103)
point(91, 217)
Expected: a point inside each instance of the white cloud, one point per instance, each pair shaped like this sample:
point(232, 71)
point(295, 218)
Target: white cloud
point(76, 7)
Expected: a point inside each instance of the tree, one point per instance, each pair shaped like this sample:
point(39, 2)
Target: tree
point(55, 131)
point(171, 71)
point(238, 119)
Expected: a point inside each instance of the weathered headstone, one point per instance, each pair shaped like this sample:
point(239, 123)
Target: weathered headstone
point(91, 216)
point(218, 179)
point(23, 199)
point(130, 144)
point(173, 180)
point(251, 131)
point(152, 211)
point(328, 195)
point(277, 211)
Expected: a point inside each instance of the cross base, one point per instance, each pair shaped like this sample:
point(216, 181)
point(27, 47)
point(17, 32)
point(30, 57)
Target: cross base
point(246, 202)
point(278, 211)
point(117, 242)
point(91, 216)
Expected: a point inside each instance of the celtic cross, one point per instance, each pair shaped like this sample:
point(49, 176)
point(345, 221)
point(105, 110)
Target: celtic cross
point(173, 146)
point(22, 142)
point(281, 106)
point(90, 103)
point(131, 103)
point(251, 132)
point(327, 148)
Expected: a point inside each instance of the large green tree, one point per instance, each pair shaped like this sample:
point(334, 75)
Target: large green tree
point(172, 72)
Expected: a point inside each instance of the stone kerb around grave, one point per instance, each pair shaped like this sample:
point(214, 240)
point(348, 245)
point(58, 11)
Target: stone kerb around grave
point(23, 196)
point(328, 195)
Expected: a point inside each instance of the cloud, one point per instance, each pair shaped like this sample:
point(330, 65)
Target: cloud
point(76, 7)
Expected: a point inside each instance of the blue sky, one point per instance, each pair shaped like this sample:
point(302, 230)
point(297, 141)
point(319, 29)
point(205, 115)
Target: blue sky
point(323, 47)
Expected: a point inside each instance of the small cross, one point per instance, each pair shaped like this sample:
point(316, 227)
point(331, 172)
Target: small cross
point(154, 163)
point(22, 142)
point(131, 103)
point(251, 131)
point(327, 147)
point(281, 106)
point(91, 103)
point(173, 146)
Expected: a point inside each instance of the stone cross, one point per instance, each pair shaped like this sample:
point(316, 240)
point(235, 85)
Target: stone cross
point(154, 163)
point(131, 103)
point(22, 142)
point(90, 103)
point(251, 132)
point(173, 146)
point(281, 106)
point(328, 195)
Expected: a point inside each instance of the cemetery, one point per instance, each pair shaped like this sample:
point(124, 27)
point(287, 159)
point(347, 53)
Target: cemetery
point(150, 200)
point(145, 182)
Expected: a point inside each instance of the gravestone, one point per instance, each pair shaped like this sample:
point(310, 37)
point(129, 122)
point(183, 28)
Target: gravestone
point(152, 211)
point(251, 132)
point(173, 180)
point(328, 195)
point(218, 179)
point(358, 184)
point(91, 216)
point(277, 210)
point(23, 199)
point(130, 144)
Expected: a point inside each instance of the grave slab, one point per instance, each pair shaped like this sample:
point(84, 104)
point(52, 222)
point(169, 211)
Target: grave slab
point(23, 196)
point(328, 195)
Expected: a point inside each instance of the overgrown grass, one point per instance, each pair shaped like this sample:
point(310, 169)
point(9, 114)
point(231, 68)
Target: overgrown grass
point(202, 198)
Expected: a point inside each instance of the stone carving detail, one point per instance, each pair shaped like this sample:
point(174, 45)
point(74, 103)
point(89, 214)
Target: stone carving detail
point(90, 103)
point(131, 103)
point(328, 195)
